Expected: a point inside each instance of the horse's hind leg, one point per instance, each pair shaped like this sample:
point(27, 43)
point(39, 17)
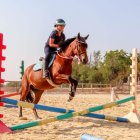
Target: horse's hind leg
point(38, 94)
point(24, 91)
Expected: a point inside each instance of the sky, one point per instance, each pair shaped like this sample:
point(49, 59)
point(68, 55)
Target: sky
point(27, 24)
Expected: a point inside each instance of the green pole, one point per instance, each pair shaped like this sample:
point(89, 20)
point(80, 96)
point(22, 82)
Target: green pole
point(70, 115)
point(22, 69)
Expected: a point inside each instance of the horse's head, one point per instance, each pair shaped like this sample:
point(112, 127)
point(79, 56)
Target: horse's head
point(75, 46)
point(80, 49)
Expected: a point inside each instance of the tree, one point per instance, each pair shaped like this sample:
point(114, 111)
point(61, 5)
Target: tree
point(97, 58)
point(83, 75)
point(75, 70)
point(116, 65)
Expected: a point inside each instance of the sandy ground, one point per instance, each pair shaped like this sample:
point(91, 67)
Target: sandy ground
point(72, 129)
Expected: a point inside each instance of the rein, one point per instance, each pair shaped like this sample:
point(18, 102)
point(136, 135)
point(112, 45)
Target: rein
point(77, 46)
point(65, 57)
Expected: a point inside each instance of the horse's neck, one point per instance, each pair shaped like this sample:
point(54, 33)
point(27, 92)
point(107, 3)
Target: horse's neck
point(69, 50)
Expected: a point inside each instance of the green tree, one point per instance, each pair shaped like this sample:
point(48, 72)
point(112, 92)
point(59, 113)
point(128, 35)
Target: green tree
point(97, 58)
point(116, 65)
point(83, 75)
point(75, 70)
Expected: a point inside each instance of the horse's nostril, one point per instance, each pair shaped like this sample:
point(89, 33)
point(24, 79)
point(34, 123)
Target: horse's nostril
point(84, 60)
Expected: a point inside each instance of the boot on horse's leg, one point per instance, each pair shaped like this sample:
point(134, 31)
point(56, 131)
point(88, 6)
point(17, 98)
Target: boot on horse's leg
point(73, 87)
point(46, 73)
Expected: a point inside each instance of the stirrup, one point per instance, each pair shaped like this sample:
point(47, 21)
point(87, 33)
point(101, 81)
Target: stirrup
point(47, 74)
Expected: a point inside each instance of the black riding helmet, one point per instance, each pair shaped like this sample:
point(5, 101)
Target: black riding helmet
point(59, 22)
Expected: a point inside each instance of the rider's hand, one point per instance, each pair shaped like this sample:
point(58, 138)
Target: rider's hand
point(61, 43)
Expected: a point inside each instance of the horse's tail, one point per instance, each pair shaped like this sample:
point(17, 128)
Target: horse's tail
point(30, 96)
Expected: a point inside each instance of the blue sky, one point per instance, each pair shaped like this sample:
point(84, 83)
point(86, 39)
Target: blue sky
point(26, 25)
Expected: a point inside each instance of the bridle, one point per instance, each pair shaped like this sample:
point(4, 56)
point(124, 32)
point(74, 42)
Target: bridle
point(77, 48)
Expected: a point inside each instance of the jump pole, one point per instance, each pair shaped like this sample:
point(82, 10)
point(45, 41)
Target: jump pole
point(60, 110)
point(133, 116)
point(9, 95)
point(70, 115)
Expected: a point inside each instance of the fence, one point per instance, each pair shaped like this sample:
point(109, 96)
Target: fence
point(93, 88)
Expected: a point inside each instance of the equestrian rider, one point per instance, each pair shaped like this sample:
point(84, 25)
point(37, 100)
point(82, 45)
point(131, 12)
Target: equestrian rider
point(56, 37)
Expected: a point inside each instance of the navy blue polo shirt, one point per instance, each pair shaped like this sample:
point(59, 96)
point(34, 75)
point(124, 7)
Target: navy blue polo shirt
point(57, 39)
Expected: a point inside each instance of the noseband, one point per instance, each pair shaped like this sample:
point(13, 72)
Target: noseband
point(77, 47)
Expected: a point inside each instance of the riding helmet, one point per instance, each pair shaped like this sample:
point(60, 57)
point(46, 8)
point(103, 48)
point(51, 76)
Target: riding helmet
point(59, 22)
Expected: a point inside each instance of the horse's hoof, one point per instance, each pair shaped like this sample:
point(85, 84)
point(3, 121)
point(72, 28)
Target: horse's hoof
point(70, 98)
point(39, 118)
point(23, 118)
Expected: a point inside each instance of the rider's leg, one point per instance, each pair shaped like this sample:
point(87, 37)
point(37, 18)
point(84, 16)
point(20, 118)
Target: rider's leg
point(46, 73)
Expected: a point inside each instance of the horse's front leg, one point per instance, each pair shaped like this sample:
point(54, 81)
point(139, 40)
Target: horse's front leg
point(67, 79)
point(73, 87)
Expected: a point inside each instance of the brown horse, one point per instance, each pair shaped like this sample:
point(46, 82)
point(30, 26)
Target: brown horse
point(61, 69)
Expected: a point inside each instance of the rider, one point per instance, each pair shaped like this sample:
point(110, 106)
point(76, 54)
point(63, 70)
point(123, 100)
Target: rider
point(56, 37)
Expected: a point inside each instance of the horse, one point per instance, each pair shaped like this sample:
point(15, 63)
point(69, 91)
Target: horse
point(33, 84)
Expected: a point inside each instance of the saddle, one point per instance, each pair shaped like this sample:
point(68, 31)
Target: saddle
point(40, 64)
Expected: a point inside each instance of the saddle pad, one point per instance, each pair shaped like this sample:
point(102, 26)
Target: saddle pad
point(39, 65)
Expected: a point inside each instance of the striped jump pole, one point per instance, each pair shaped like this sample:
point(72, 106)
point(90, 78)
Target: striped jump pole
point(70, 115)
point(133, 116)
point(60, 110)
point(9, 95)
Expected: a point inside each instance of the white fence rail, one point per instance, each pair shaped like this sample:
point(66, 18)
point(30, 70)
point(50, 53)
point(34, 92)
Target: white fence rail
point(82, 88)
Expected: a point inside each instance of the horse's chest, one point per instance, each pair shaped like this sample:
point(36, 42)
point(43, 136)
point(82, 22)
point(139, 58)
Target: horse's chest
point(64, 67)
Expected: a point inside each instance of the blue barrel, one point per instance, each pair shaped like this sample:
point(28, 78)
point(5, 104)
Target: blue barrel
point(89, 137)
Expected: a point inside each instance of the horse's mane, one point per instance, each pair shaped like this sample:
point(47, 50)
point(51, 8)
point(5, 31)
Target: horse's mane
point(66, 43)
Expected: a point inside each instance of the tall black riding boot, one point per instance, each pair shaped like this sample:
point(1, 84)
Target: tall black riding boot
point(46, 73)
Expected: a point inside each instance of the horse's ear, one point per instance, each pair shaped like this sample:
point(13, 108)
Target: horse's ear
point(78, 36)
point(86, 37)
